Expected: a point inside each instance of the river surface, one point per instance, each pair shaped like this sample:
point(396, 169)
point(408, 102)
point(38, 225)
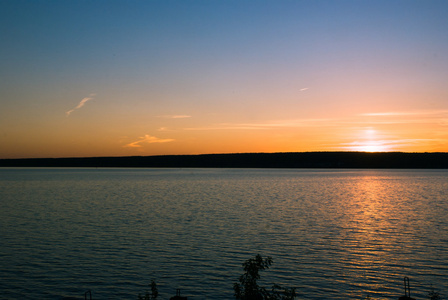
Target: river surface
point(332, 234)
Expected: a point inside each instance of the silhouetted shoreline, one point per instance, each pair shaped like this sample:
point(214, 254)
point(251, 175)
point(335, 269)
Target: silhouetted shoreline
point(361, 160)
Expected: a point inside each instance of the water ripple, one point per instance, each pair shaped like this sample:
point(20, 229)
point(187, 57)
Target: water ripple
point(332, 234)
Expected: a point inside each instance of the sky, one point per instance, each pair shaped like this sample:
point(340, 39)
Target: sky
point(124, 78)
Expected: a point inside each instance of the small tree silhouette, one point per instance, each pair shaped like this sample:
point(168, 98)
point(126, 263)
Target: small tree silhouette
point(433, 295)
point(153, 295)
point(248, 289)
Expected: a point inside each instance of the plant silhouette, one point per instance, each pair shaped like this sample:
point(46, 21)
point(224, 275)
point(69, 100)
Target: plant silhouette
point(248, 289)
point(153, 295)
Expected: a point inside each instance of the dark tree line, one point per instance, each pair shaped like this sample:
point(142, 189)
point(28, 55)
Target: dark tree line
point(249, 160)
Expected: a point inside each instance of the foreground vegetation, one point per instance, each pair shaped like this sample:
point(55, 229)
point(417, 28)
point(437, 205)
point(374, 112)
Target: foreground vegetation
point(247, 287)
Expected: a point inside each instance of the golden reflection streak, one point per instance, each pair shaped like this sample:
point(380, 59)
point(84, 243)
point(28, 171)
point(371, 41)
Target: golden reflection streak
point(369, 225)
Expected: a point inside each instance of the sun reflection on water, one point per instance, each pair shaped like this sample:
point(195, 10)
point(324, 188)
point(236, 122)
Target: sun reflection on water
point(371, 220)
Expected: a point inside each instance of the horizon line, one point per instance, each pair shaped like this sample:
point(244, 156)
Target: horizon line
point(225, 153)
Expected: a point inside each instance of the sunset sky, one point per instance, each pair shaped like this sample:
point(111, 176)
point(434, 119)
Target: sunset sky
point(120, 78)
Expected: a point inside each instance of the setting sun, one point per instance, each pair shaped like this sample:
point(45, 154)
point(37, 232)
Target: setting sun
point(370, 140)
point(373, 147)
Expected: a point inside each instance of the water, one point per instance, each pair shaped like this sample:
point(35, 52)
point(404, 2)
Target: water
point(333, 234)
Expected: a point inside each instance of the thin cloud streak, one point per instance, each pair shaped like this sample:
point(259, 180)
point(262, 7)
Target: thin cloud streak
point(81, 104)
point(407, 113)
point(175, 116)
point(385, 145)
point(147, 139)
point(270, 125)
point(438, 117)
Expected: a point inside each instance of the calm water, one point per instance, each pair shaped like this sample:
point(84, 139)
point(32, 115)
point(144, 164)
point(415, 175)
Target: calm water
point(338, 234)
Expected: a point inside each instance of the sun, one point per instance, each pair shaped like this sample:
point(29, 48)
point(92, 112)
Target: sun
point(368, 141)
point(373, 148)
point(369, 146)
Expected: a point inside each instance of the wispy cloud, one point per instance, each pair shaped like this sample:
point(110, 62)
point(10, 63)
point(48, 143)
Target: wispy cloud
point(304, 89)
point(439, 117)
point(269, 125)
point(422, 113)
point(147, 139)
point(388, 114)
point(81, 104)
point(175, 116)
point(385, 145)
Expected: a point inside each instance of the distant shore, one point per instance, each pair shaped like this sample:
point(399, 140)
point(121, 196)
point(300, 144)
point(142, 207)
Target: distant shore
point(364, 160)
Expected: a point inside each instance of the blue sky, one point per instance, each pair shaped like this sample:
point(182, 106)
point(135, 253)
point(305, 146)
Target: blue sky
point(243, 75)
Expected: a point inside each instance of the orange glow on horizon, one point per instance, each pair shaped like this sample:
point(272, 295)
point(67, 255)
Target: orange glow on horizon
point(369, 142)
